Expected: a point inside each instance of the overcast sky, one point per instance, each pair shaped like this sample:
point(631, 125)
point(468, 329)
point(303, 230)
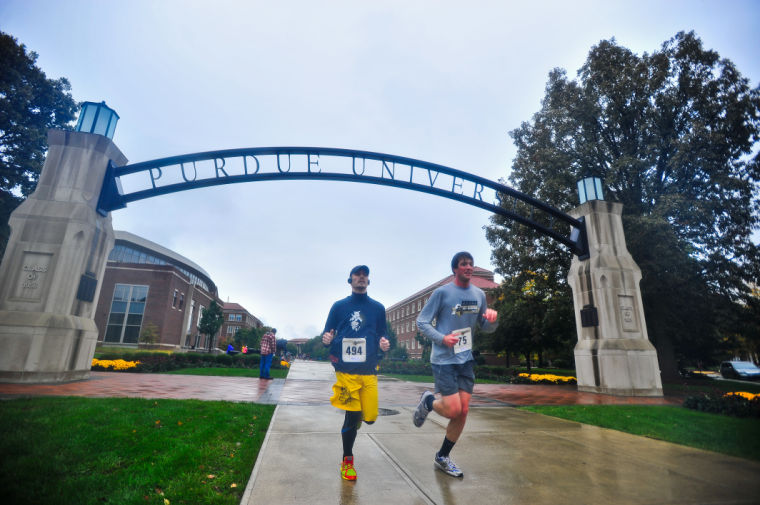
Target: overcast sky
point(444, 82)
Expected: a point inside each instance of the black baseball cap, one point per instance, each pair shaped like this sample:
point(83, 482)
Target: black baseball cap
point(359, 268)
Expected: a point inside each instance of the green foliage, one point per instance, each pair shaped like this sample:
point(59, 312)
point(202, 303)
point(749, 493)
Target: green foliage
point(155, 362)
point(730, 405)
point(427, 346)
point(390, 334)
point(128, 451)
point(250, 337)
point(672, 135)
point(712, 432)
point(535, 316)
point(30, 104)
point(406, 367)
point(277, 372)
point(211, 320)
point(399, 353)
point(149, 334)
point(315, 349)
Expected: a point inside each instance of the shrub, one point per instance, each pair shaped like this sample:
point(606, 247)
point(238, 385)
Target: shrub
point(405, 367)
point(525, 378)
point(153, 362)
point(730, 404)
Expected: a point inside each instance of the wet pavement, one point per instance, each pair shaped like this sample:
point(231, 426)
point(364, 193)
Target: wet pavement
point(509, 456)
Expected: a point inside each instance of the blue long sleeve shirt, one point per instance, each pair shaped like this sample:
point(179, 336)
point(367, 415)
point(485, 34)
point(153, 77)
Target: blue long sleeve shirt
point(354, 318)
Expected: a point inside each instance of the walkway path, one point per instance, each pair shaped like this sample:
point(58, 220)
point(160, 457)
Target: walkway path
point(509, 456)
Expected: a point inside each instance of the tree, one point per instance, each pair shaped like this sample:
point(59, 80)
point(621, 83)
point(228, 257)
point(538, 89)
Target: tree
point(211, 320)
point(534, 317)
point(672, 135)
point(315, 349)
point(30, 104)
point(249, 336)
point(149, 334)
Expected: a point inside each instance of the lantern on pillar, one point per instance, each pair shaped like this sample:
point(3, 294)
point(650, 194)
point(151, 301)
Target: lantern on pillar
point(97, 118)
point(590, 188)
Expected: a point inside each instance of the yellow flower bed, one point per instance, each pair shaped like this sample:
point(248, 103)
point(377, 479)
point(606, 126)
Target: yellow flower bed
point(557, 379)
point(708, 373)
point(743, 394)
point(116, 364)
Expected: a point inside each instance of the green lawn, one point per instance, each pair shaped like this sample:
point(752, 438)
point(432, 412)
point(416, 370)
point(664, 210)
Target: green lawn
point(713, 432)
point(276, 373)
point(128, 451)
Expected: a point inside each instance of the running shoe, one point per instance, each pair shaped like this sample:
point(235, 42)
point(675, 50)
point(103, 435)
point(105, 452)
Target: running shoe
point(347, 471)
point(421, 412)
point(446, 465)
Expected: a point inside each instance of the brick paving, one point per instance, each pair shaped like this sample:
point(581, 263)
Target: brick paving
point(305, 392)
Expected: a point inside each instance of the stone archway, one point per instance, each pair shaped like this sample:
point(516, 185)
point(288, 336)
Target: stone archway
point(62, 234)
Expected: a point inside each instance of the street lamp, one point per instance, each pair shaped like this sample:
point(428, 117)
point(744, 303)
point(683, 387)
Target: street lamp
point(590, 188)
point(97, 118)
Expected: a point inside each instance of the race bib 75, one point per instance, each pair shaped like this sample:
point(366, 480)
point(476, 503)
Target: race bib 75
point(465, 340)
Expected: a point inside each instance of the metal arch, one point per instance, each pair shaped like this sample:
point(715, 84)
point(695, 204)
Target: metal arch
point(112, 196)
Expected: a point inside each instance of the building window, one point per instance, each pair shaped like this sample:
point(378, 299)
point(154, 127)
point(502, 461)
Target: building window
point(238, 317)
point(181, 301)
point(174, 298)
point(231, 317)
point(125, 318)
point(201, 308)
point(419, 305)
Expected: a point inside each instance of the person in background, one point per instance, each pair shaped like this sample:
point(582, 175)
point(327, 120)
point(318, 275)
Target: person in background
point(268, 348)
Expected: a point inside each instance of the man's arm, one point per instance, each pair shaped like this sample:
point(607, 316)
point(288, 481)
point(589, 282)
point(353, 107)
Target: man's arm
point(425, 319)
point(488, 318)
point(382, 329)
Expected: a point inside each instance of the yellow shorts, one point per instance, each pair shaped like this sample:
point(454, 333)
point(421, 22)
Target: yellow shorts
point(356, 392)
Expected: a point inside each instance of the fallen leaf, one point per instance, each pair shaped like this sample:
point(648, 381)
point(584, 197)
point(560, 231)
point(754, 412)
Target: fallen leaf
point(233, 485)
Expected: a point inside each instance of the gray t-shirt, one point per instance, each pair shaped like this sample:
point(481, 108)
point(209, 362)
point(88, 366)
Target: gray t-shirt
point(453, 308)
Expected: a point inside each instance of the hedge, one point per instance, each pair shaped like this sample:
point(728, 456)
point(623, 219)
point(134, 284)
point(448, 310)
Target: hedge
point(152, 362)
point(728, 404)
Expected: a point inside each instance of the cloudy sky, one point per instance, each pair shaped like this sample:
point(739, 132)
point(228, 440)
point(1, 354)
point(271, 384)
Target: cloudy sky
point(444, 82)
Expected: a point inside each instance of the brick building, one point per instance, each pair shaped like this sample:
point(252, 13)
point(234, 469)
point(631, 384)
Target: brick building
point(148, 288)
point(236, 317)
point(403, 315)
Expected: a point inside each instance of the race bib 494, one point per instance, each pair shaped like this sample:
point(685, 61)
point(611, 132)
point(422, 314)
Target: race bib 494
point(354, 350)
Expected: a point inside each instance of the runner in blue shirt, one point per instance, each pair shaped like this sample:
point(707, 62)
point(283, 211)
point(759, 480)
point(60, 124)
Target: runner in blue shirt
point(355, 332)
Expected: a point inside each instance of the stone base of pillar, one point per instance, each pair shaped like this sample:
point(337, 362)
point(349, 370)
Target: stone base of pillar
point(618, 366)
point(43, 347)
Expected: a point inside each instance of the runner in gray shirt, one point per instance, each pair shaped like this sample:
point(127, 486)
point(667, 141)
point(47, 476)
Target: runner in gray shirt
point(458, 308)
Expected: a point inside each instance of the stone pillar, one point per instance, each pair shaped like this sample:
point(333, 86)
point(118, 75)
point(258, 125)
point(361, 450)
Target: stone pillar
point(51, 274)
point(613, 354)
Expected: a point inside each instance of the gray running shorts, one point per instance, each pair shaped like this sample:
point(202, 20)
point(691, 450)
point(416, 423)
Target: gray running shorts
point(450, 379)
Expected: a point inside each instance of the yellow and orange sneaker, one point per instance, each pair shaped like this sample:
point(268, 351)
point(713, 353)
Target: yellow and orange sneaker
point(347, 471)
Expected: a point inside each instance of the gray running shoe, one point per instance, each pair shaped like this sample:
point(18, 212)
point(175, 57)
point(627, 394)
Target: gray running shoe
point(446, 465)
point(421, 412)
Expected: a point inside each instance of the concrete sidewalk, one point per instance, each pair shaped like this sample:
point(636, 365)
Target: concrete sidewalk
point(509, 457)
